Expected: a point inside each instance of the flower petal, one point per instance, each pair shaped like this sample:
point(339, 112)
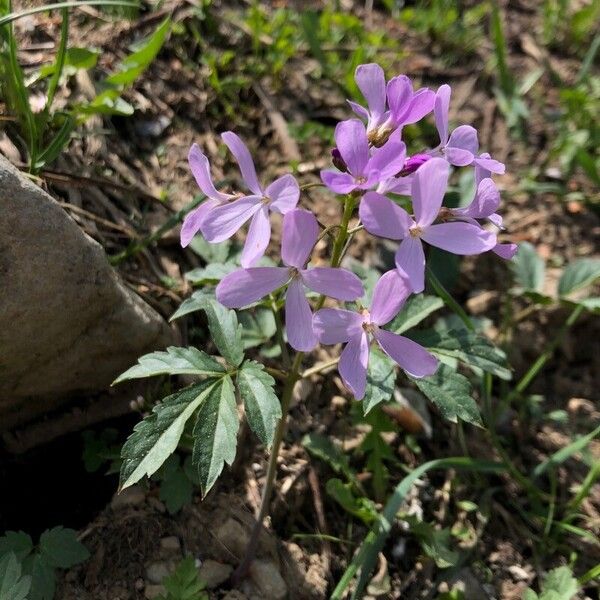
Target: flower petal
point(245, 286)
point(388, 160)
point(411, 357)
point(298, 318)
point(428, 188)
point(340, 183)
point(410, 262)
point(460, 238)
point(351, 141)
point(458, 157)
point(300, 233)
point(465, 138)
point(223, 221)
point(244, 160)
point(384, 218)
point(340, 284)
point(200, 168)
point(353, 365)
point(486, 201)
point(441, 106)
point(284, 193)
point(257, 240)
point(390, 293)
point(490, 165)
point(420, 106)
point(359, 110)
point(193, 220)
point(399, 95)
point(371, 81)
point(396, 185)
point(506, 251)
point(335, 325)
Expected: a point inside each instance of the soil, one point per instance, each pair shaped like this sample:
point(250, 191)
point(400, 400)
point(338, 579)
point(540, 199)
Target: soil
point(125, 177)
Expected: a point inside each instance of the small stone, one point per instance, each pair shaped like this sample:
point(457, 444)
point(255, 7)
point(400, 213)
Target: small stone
point(156, 572)
point(338, 402)
point(214, 573)
point(154, 591)
point(268, 580)
point(139, 584)
point(233, 536)
point(170, 543)
point(519, 573)
point(131, 496)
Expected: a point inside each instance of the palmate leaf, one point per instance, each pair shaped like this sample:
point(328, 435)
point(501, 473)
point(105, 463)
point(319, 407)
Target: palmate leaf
point(258, 327)
point(451, 393)
point(263, 409)
point(175, 361)
point(528, 268)
point(156, 437)
point(17, 542)
point(414, 311)
point(61, 549)
point(381, 377)
point(43, 579)
point(578, 274)
point(215, 433)
point(13, 586)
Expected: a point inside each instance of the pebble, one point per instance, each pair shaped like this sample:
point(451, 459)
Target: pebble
point(131, 496)
point(170, 543)
point(233, 536)
point(214, 573)
point(265, 575)
point(154, 591)
point(156, 572)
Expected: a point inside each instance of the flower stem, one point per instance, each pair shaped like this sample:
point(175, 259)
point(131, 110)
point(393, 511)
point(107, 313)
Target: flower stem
point(449, 301)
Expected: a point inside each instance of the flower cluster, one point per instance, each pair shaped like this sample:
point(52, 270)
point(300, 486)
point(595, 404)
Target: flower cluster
point(372, 167)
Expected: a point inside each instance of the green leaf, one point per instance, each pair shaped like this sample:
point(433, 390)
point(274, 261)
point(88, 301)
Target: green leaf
point(258, 327)
point(61, 549)
point(591, 304)
point(43, 580)
point(559, 584)
point(414, 311)
point(211, 273)
point(528, 268)
point(378, 451)
point(75, 59)
point(197, 301)
point(13, 586)
point(106, 103)
point(176, 490)
point(363, 508)
point(381, 379)
point(175, 361)
point(215, 433)
point(225, 331)
point(263, 409)
point(579, 274)
point(436, 543)
point(211, 253)
point(324, 449)
point(472, 349)
point(451, 393)
point(184, 582)
point(136, 63)
point(156, 437)
point(17, 542)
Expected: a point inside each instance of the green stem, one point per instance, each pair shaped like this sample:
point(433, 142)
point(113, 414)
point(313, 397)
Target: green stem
point(58, 67)
point(449, 301)
point(279, 333)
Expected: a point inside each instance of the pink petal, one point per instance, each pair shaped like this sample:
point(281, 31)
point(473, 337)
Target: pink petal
point(506, 251)
point(465, 138)
point(223, 221)
point(340, 183)
point(410, 262)
point(371, 81)
point(298, 318)
point(441, 107)
point(244, 160)
point(390, 293)
point(389, 159)
point(245, 286)
point(259, 235)
point(458, 157)
point(420, 106)
point(300, 233)
point(428, 188)
point(411, 357)
point(200, 168)
point(351, 141)
point(333, 282)
point(459, 238)
point(193, 220)
point(384, 218)
point(284, 193)
point(335, 325)
point(353, 365)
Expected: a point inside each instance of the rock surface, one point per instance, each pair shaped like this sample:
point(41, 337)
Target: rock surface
point(68, 325)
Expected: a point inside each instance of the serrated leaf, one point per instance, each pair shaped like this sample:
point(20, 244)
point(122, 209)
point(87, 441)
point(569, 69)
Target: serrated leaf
point(471, 348)
point(197, 301)
point(17, 542)
point(578, 274)
point(184, 582)
point(360, 507)
point(451, 393)
point(175, 361)
point(60, 548)
point(215, 433)
point(528, 268)
point(414, 311)
point(263, 409)
point(13, 586)
point(559, 584)
point(258, 327)
point(43, 579)
point(211, 273)
point(381, 379)
point(225, 331)
point(176, 490)
point(156, 437)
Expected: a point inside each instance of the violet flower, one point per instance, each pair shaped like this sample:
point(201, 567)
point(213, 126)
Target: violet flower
point(245, 286)
point(384, 218)
point(460, 148)
point(222, 219)
point(364, 170)
point(334, 326)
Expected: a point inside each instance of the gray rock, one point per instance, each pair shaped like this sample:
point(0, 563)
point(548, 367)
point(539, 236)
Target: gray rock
point(170, 543)
point(68, 324)
point(266, 577)
point(154, 591)
point(131, 496)
point(233, 536)
point(214, 573)
point(157, 571)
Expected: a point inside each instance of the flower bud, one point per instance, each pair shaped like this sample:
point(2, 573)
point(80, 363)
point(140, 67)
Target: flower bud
point(338, 161)
point(413, 163)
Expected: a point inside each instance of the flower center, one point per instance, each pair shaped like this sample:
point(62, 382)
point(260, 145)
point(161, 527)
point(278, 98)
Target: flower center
point(444, 214)
point(265, 200)
point(361, 179)
point(415, 231)
point(369, 327)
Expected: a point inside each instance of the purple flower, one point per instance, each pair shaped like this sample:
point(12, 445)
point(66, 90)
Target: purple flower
point(390, 106)
point(384, 218)
point(245, 286)
point(334, 326)
point(221, 219)
point(364, 170)
point(483, 206)
point(506, 251)
point(460, 148)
